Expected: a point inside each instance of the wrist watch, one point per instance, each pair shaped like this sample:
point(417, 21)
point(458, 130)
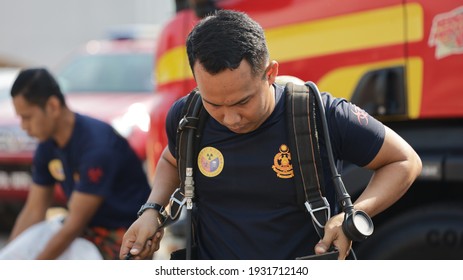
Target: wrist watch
point(150, 205)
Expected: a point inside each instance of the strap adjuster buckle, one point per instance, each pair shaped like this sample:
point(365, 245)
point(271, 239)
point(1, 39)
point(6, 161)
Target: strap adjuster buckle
point(312, 211)
point(187, 122)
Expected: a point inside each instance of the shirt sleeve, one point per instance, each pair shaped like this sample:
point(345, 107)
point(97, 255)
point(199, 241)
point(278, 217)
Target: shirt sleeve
point(41, 174)
point(356, 135)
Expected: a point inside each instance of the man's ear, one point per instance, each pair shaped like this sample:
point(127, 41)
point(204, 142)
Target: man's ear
point(272, 71)
point(53, 106)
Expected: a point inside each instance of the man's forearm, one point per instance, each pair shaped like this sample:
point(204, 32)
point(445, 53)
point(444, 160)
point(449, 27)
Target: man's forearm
point(387, 185)
point(57, 244)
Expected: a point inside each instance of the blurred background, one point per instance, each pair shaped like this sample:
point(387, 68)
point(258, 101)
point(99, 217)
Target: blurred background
point(102, 53)
point(43, 32)
point(125, 63)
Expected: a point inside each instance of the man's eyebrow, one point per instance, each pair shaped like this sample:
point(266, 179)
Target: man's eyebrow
point(236, 103)
point(208, 102)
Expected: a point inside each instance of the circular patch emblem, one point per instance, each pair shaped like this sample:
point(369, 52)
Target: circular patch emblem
point(210, 161)
point(56, 169)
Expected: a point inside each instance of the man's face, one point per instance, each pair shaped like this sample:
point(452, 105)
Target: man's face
point(236, 98)
point(34, 120)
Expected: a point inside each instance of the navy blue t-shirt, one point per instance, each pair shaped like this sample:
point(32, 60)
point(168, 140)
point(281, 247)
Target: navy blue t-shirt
point(98, 161)
point(246, 199)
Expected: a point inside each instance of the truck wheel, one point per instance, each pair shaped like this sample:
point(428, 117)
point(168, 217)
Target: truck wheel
point(429, 233)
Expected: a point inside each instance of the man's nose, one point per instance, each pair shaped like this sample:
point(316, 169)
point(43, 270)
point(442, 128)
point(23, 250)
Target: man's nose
point(24, 125)
point(231, 117)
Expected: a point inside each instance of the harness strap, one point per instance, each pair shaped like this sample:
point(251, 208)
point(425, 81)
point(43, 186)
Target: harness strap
point(188, 136)
point(188, 122)
point(301, 114)
point(178, 199)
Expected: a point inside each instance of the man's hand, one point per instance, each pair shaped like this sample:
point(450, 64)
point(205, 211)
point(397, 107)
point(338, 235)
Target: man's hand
point(334, 236)
point(142, 239)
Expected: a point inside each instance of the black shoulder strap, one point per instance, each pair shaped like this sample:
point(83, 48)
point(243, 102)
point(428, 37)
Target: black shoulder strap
point(188, 135)
point(301, 114)
point(186, 128)
point(188, 140)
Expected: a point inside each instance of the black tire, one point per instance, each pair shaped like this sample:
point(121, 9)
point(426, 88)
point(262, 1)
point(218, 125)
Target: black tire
point(429, 233)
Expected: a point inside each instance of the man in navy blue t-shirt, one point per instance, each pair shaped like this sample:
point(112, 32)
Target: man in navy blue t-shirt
point(246, 203)
point(101, 176)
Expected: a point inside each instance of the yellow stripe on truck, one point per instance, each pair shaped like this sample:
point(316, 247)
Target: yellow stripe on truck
point(342, 81)
point(352, 32)
point(356, 31)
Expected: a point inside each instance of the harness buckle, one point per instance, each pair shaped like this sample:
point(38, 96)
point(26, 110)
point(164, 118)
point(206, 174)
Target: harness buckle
point(188, 122)
point(312, 211)
point(177, 200)
point(182, 123)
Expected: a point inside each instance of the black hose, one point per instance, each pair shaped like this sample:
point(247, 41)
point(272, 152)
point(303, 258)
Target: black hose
point(343, 195)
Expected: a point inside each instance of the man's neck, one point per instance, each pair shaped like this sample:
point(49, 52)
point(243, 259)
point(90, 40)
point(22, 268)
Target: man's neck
point(64, 128)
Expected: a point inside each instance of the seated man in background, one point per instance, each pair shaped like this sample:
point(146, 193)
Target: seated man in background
point(101, 176)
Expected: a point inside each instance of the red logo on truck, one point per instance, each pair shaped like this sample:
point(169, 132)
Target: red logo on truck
point(447, 33)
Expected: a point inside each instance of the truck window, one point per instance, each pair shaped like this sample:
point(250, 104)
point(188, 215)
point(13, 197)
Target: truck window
point(382, 92)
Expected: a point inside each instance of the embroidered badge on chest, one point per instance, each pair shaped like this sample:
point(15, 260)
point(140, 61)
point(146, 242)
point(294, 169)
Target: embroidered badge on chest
point(210, 161)
point(55, 167)
point(282, 163)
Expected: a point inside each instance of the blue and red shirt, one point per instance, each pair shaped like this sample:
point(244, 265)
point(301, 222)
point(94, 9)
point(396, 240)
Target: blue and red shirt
point(98, 161)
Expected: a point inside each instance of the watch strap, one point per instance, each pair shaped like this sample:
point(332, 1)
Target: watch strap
point(150, 205)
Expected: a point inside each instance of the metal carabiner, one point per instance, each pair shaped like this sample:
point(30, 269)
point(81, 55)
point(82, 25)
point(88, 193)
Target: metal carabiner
point(176, 202)
point(312, 211)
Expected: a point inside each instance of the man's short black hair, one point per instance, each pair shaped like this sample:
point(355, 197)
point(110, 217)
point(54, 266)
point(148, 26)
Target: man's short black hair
point(223, 39)
point(36, 85)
